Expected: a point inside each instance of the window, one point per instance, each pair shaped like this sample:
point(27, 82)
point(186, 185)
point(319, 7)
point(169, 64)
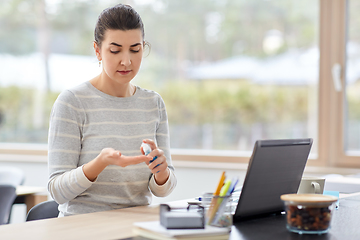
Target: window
point(230, 72)
point(352, 133)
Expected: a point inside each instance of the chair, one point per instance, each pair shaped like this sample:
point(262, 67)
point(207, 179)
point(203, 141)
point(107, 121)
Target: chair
point(44, 210)
point(12, 176)
point(7, 197)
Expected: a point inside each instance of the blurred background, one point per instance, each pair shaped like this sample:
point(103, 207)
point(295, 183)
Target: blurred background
point(230, 72)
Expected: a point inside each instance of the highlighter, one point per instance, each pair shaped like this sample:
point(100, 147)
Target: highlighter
point(225, 188)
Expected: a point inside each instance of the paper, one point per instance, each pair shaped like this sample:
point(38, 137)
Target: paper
point(155, 227)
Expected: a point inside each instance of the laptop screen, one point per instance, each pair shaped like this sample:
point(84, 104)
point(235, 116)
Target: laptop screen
point(275, 168)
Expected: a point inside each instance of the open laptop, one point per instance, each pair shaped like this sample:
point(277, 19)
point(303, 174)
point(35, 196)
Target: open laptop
point(275, 168)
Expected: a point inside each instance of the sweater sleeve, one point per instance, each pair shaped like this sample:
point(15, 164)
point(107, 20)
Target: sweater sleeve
point(166, 188)
point(67, 186)
point(163, 142)
point(66, 178)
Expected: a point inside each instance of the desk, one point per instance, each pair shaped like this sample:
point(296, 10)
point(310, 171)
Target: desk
point(30, 196)
point(117, 224)
point(345, 225)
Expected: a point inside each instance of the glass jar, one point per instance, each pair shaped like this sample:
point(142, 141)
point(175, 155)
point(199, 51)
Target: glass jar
point(308, 213)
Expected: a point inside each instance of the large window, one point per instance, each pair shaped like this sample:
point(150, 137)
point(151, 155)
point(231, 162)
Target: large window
point(230, 72)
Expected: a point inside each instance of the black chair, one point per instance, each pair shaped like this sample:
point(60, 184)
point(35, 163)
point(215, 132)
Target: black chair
point(44, 210)
point(11, 176)
point(7, 197)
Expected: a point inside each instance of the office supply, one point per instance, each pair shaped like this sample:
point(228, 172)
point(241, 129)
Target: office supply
point(220, 184)
point(216, 193)
point(191, 217)
point(218, 201)
point(153, 230)
point(275, 168)
point(223, 215)
point(233, 185)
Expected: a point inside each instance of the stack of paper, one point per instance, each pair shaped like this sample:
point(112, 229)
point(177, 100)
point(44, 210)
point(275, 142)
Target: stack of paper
point(153, 230)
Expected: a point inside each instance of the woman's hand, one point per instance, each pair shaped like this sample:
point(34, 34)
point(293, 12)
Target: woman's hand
point(159, 166)
point(109, 156)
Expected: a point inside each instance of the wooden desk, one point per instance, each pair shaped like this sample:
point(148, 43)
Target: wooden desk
point(30, 196)
point(117, 224)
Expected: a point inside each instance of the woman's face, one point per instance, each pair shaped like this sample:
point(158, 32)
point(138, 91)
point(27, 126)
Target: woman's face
point(121, 54)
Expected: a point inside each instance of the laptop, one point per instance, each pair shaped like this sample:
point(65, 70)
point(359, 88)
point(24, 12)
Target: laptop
point(275, 168)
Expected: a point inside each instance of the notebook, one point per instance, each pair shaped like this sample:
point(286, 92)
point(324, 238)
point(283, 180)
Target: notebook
point(154, 230)
point(275, 168)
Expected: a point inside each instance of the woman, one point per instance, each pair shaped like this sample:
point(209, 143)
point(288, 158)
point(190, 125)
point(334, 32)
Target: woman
point(96, 129)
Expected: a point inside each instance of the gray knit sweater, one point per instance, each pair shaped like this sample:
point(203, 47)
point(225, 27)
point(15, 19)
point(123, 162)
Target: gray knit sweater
point(85, 120)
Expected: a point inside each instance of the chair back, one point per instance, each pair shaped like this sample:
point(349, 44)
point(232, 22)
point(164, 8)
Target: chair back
point(44, 210)
point(7, 197)
point(11, 176)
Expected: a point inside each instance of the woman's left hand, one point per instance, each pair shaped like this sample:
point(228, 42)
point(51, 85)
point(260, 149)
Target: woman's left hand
point(159, 166)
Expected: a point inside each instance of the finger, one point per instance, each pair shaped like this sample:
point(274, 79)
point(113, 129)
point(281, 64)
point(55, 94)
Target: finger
point(134, 159)
point(151, 143)
point(158, 164)
point(156, 153)
point(142, 150)
point(158, 168)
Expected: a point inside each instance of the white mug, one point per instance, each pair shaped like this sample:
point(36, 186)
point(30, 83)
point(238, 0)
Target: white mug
point(311, 185)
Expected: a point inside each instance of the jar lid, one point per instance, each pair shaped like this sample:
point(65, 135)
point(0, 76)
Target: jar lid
point(308, 198)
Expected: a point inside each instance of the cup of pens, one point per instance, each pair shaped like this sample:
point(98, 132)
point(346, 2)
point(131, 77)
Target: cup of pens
point(219, 211)
point(218, 206)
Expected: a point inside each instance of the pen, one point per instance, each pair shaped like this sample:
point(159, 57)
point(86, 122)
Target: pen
point(217, 192)
point(220, 185)
point(232, 186)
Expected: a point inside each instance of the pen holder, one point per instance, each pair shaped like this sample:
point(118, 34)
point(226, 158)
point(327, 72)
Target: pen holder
point(218, 211)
